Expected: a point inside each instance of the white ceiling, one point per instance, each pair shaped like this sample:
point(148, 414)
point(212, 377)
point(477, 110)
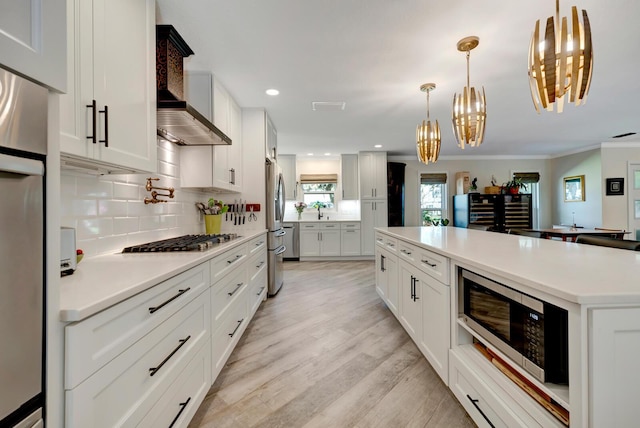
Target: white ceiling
point(375, 54)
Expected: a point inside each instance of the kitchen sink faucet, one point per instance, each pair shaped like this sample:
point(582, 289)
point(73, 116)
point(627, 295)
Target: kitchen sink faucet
point(320, 215)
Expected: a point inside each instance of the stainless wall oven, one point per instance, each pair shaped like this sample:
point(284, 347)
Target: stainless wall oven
point(533, 333)
point(23, 143)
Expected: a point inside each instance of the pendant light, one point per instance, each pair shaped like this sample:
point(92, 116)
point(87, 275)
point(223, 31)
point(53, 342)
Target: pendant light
point(428, 134)
point(561, 62)
point(470, 107)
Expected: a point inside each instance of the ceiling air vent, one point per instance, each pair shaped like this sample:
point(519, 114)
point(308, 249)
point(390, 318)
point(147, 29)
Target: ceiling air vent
point(328, 105)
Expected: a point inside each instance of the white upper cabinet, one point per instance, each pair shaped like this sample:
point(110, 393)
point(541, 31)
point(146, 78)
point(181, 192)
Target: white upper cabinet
point(33, 40)
point(108, 115)
point(288, 165)
point(218, 167)
point(349, 169)
point(373, 175)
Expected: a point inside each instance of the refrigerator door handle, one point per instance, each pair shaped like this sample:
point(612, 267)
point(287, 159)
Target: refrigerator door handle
point(281, 232)
point(280, 250)
point(21, 165)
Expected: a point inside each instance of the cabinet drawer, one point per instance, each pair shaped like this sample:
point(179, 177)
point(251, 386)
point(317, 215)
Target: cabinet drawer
point(257, 244)
point(123, 391)
point(225, 262)
point(225, 292)
point(390, 244)
point(309, 226)
point(256, 264)
point(256, 291)
point(432, 264)
point(227, 335)
point(407, 252)
point(92, 343)
point(477, 399)
point(349, 226)
point(329, 226)
point(179, 404)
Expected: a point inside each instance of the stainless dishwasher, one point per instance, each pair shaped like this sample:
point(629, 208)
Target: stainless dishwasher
point(291, 242)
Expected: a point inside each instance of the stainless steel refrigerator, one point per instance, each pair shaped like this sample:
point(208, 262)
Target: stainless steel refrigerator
point(275, 215)
point(23, 144)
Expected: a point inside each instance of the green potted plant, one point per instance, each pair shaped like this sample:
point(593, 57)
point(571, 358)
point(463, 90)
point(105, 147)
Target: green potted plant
point(513, 187)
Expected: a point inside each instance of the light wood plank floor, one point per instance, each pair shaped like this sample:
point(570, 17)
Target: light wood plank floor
point(326, 352)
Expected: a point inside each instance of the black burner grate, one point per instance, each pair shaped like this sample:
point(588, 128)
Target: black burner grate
point(181, 243)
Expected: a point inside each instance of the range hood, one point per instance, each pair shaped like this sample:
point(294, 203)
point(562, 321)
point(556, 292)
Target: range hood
point(177, 121)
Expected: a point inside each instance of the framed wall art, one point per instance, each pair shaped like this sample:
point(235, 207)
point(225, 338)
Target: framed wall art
point(615, 186)
point(574, 188)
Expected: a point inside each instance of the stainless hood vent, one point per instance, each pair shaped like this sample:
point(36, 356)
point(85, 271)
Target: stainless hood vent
point(178, 122)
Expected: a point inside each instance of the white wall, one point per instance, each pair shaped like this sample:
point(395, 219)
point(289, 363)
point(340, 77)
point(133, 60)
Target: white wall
point(589, 212)
point(481, 168)
point(615, 161)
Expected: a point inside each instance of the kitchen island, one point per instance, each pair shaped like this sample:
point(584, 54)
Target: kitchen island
point(598, 288)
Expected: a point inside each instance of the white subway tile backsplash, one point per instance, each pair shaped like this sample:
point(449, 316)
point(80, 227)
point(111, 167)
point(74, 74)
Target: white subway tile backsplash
point(168, 221)
point(80, 208)
point(93, 228)
point(124, 225)
point(89, 186)
point(126, 191)
point(111, 208)
point(148, 223)
point(109, 214)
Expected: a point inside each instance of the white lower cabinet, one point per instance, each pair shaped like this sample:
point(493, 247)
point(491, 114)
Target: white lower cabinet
point(435, 338)
point(122, 392)
point(410, 300)
point(477, 398)
point(149, 360)
point(411, 281)
point(350, 239)
point(373, 214)
point(319, 239)
point(183, 397)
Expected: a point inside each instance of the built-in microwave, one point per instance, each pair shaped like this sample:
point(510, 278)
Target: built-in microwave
point(532, 333)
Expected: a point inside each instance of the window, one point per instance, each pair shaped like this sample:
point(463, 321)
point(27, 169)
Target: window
point(433, 196)
point(319, 189)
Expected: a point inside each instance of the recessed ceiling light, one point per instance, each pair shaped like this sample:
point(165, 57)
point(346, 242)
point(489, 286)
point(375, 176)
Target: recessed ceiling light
point(377, 146)
point(272, 92)
point(327, 154)
point(309, 154)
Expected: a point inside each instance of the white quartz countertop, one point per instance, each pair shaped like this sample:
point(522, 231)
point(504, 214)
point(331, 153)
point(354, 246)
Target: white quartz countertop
point(579, 273)
point(103, 281)
point(324, 220)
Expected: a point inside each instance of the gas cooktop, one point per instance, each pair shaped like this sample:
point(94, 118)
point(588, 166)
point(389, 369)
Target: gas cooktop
point(182, 243)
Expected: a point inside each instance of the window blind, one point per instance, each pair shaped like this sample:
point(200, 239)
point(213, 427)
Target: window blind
point(318, 178)
point(433, 178)
point(527, 177)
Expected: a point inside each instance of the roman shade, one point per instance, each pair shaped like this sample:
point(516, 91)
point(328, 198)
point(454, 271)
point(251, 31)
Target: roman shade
point(527, 177)
point(318, 178)
point(433, 178)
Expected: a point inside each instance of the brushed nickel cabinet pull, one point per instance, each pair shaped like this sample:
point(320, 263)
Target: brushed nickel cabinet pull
point(236, 329)
point(236, 289)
